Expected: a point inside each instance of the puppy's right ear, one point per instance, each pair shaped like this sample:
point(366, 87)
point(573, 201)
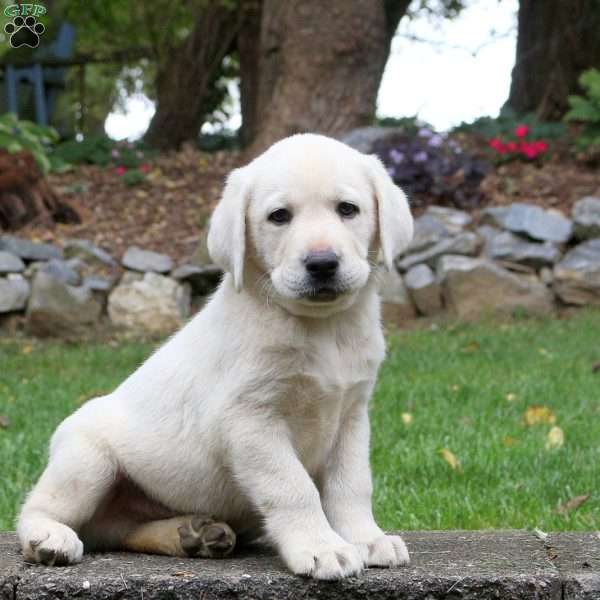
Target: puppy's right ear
point(226, 239)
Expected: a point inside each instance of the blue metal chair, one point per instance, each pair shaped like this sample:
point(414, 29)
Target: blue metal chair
point(47, 82)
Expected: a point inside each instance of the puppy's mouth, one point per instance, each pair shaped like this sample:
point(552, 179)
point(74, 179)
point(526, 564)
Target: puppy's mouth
point(323, 294)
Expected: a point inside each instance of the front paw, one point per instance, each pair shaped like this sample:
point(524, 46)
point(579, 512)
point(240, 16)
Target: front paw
point(325, 561)
point(386, 551)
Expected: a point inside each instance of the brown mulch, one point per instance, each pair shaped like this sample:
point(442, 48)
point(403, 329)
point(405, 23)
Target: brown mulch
point(165, 213)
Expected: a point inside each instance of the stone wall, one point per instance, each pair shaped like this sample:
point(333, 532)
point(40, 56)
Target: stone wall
point(520, 258)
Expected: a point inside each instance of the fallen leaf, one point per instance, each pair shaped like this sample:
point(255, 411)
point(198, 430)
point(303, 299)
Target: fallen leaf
point(472, 346)
point(27, 349)
point(536, 414)
point(510, 397)
point(541, 535)
point(4, 422)
point(450, 458)
point(596, 368)
point(182, 574)
point(555, 438)
point(545, 352)
point(407, 418)
point(455, 387)
point(572, 504)
point(510, 441)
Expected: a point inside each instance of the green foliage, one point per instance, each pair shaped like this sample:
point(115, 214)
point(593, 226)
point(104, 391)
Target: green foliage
point(407, 124)
point(505, 124)
point(133, 177)
point(17, 135)
point(586, 109)
point(103, 151)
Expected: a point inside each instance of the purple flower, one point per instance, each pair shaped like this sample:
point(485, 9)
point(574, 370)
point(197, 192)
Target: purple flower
point(114, 153)
point(435, 140)
point(391, 171)
point(424, 132)
point(396, 156)
point(420, 157)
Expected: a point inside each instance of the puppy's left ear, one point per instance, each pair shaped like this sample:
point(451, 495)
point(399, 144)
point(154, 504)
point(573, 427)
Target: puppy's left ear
point(226, 238)
point(395, 221)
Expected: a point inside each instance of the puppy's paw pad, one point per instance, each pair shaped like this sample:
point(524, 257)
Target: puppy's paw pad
point(387, 551)
point(203, 537)
point(57, 547)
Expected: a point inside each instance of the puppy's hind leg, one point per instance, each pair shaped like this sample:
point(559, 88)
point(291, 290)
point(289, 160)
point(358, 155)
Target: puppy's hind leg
point(78, 476)
point(185, 536)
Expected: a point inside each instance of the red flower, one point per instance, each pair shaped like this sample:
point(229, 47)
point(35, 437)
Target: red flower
point(145, 168)
point(497, 145)
point(120, 170)
point(521, 131)
point(512, 146)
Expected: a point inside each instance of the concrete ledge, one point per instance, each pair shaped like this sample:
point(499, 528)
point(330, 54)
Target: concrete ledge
point(445, 564)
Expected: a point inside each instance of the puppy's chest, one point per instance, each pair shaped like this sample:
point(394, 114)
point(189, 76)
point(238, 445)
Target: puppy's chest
point(319, 391)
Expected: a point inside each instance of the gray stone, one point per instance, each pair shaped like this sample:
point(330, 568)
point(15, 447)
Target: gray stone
point(507, 246)
point(9, 263)
point(204, 280)
point(474, 287)
point(454, 220)
point(146, 261)
point(14, 291)
point(428, 231)
point(153, 304)
point(88, 252)
point(466, 565)
point(533, 221)
point(60, 310)
point(424, 289)
point(586, 218)
point(466, 243)
point(364, 139)
point(61, 270)
point(28, 250)
point(99, 284)
point(577, 275)
point(397, 307)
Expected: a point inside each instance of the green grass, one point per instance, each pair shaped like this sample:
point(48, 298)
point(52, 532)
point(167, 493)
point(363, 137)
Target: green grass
point(454, 382)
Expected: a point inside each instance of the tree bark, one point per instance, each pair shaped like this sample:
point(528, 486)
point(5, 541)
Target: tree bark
point(183, 80)
point(320, 65)
point(556, 41)
point(248, 45)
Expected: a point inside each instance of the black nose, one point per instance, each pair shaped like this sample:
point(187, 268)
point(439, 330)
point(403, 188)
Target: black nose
point(322, 264)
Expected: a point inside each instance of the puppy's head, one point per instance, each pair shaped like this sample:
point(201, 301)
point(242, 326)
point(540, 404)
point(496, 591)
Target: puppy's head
point(307, 218)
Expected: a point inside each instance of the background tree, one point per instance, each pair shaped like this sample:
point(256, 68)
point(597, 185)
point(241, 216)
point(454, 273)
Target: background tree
point(556, 41)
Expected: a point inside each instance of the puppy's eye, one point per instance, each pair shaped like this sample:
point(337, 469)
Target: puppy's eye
point(281, 216)
point(347, 210)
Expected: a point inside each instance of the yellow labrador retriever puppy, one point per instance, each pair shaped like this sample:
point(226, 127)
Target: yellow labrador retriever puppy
point(253, 418)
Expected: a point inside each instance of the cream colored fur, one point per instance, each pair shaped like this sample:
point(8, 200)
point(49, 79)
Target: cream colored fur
point(256, 411)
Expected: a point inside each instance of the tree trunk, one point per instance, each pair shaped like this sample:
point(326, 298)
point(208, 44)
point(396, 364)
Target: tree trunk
point(248, 44)
point(320, 65)
point(26, 196)
point(183, 80)
point(556, 41)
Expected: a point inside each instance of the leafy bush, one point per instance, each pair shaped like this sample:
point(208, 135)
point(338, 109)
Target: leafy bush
point(429, 164)
point(507, 122)
point(586, 109)
point(17, 135)
point(129, 159)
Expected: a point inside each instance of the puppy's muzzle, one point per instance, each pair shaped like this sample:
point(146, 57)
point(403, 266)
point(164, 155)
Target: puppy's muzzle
point(322, 268)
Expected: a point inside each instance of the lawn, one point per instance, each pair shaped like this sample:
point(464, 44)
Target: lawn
point(451, 446)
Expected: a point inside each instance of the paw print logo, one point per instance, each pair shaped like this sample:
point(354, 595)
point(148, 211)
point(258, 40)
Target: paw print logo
point(24, 31)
